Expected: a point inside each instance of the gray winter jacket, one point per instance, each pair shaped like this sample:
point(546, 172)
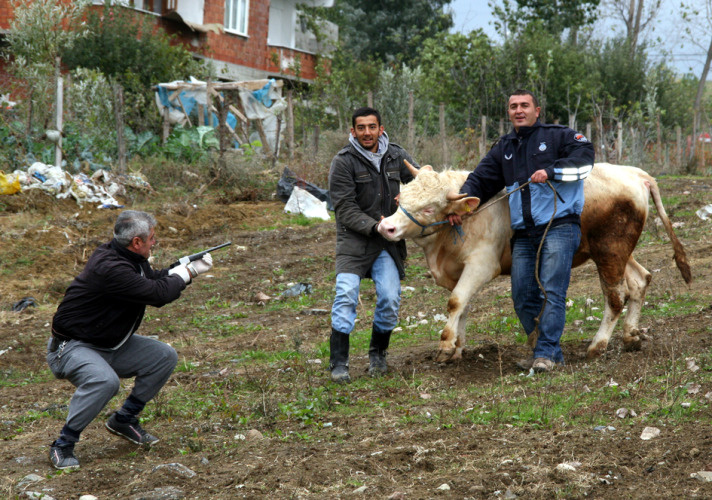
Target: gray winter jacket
point(361, 195)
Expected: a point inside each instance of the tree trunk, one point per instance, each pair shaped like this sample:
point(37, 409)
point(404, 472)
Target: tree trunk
point(698, 99)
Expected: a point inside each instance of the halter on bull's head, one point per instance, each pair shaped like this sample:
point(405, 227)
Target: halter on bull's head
point(425, 203)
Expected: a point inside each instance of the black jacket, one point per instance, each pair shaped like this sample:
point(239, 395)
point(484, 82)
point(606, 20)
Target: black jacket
point(106, 302)
point(361, 195)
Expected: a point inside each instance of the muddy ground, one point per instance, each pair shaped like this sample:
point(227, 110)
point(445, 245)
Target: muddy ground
point(381, 435)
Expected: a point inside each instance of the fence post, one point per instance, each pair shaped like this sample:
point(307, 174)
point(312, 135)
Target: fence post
point(678, 147)
point(619, 142)
point(411, 128)
point(290, 123)
point(501, 127)
point(209, 103)
point(60, 111)
point(119, 116)
point(369, 99)
point(483, 143)
point(166, 126)
point(442, 133)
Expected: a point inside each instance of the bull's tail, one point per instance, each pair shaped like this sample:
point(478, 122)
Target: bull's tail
point(680, 257)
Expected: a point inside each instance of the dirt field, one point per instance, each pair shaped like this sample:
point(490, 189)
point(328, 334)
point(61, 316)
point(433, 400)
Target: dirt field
point(250, 410)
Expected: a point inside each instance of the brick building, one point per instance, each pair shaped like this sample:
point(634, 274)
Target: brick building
point(245, 39)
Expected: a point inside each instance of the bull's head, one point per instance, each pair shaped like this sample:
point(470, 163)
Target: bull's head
point(425, 203)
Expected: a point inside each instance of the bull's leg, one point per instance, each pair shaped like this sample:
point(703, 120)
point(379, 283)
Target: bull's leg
point(614, 297)
point(461, 325)
point(637, 278)
point(473, 278)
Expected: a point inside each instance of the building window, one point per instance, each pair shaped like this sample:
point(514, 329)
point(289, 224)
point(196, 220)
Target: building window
point(236, 15)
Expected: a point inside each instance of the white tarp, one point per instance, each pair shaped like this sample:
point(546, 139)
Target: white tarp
point(305, 203)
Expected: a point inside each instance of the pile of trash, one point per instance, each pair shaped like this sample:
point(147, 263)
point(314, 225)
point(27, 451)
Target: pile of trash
point(100, 188)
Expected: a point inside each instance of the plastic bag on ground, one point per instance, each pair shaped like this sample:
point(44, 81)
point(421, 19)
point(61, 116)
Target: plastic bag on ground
point(289, 179)
point(704, 212)
point(9, 183)
point(302, 202)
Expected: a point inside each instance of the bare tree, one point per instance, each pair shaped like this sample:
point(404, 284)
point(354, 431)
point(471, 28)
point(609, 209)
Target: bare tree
point(698, 26)
point(636, 15)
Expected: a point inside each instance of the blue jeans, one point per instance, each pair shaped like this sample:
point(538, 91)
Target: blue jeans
point(557, 253)
point(384, 274)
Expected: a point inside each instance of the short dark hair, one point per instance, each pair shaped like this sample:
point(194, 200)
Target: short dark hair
point(365, 111)
point(132, 223)
point(526, 92)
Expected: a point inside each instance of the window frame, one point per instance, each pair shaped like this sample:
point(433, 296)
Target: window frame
point(232, 4)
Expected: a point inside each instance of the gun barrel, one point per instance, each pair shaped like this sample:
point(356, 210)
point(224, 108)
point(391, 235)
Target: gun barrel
point(199, 255)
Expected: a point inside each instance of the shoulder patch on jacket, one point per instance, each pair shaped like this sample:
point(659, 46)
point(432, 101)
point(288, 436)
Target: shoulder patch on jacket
point(580, 138)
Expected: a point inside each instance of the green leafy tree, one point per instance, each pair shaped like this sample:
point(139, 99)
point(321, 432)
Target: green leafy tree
point(622, 76)
point(462, 70)
point(388, 30)
point(38, 36)
point(559, 15)
point(512, 17)
point(120, 43)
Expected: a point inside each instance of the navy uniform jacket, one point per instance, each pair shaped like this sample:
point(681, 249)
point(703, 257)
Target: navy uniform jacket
point(566, 155)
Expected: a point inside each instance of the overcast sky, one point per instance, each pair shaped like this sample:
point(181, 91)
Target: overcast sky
point(472, 14)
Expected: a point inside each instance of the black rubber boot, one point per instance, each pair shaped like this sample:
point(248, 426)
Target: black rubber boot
point(339, 357)
point(377, 353)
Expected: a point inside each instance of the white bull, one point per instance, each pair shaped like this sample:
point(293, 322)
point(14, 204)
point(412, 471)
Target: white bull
point(614, 214)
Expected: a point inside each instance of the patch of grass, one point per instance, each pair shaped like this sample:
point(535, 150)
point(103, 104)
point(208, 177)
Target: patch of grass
point(668, 305)
point(18, 378)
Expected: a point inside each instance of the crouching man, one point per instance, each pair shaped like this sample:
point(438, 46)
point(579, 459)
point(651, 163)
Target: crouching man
point(93, 342)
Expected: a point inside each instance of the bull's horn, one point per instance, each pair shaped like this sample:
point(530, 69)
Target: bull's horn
point(455, 196)
point(413, 170)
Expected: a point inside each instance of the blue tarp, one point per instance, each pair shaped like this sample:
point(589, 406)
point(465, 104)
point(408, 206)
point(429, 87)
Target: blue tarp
point(189, 103)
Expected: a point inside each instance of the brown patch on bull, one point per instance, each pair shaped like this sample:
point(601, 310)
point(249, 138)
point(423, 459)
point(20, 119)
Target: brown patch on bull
point(611, 235)
point(453, 304)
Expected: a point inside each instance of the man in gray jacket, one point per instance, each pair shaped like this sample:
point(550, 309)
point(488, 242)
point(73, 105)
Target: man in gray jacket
point(93, 342)
point(364, 180)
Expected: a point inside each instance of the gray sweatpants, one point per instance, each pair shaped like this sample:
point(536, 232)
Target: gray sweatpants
point(95, 372)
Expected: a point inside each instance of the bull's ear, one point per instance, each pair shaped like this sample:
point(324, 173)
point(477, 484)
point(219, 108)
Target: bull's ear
point(465, 205)
point(427, 167)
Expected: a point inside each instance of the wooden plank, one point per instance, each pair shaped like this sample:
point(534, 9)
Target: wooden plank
point(240, 140)
point(190, 124)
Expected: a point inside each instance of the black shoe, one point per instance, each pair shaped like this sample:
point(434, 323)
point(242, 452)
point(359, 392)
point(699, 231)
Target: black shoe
point(131, 431)
point(339, 357)
point(62, 457)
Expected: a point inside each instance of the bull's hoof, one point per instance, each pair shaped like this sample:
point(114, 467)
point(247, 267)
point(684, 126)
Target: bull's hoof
point(632, 343)
point(596, 351)
point(445, 355)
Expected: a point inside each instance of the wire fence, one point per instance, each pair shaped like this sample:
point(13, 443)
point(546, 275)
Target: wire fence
point(433, 133)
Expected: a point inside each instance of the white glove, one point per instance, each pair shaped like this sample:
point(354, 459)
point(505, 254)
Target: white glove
point(182, 272)
point(203, 265)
